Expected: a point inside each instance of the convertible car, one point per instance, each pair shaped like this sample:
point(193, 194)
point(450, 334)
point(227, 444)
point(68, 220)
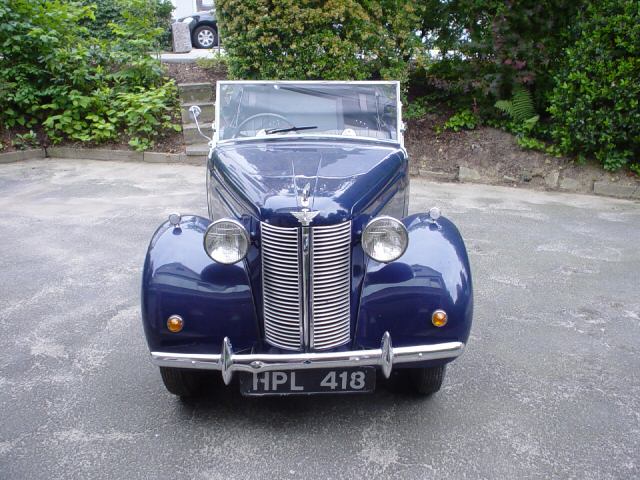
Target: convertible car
point(308, 275)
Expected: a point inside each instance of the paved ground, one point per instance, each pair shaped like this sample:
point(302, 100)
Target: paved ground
point(548, 388)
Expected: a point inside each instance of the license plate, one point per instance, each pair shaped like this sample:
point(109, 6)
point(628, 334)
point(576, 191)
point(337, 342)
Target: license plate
point(301, 382)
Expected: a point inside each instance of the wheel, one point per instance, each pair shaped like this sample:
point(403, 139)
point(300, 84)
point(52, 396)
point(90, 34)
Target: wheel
point(423, 381)
point(181, 382)
point(205, 37)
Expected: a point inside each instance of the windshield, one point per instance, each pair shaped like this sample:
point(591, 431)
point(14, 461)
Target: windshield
point(349, 109)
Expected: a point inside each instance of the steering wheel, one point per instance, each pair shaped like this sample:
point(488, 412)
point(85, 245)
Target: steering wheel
point(260, 115)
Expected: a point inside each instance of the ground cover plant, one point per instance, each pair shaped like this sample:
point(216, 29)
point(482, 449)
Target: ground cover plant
point(59, 77)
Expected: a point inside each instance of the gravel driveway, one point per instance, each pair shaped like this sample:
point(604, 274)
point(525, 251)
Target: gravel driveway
point(549, 386)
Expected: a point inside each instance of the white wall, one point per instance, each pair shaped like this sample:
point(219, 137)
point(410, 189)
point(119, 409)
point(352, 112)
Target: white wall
point(183, 8)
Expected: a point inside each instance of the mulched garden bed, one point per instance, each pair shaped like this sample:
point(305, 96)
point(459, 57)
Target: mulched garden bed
point(496, 156)
point(192, 73)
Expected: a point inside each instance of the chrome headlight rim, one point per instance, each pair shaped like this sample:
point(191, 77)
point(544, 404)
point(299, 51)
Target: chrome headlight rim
point(372, 223)
point(242, 230)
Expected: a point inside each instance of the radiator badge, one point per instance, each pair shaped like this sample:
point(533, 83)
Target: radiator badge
point(305, 216)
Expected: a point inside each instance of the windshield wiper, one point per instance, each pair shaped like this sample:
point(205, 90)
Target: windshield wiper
point(269, 131)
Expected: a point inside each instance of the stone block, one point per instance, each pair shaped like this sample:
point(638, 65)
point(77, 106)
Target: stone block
point(158, 157)
point(466, 174)
point(206, 116)
point(435, 175)
point(181, 36)
point(191, 134)
point(551, 179)
point(96, 154)
point(570, 184)
point(201, 92)
point(20, 155)
point(616, 190)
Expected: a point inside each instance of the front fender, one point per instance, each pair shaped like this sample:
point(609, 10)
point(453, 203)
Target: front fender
point(399, 297)
point(213, 299)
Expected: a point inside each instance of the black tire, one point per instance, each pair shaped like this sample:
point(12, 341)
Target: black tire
point(426, 381)
point(205, 36)
point(421, 381)
point(181, 382)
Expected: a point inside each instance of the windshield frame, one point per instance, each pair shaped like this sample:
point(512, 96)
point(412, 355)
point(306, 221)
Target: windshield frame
point(308, 133)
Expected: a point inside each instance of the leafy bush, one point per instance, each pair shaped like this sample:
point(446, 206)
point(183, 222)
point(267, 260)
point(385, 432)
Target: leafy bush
point(486, 47)
point(463, 120)
point(108, 13)
point(25, 141)
point(54, 73)
point(313, 39)
point(145, 114)
point(595, 104)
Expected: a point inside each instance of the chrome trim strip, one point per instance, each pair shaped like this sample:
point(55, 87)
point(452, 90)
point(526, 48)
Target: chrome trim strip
point(385, 357)
point(307, 322)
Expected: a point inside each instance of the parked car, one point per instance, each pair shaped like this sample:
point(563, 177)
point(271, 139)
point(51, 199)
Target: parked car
point(204, 29)
point(308, 275)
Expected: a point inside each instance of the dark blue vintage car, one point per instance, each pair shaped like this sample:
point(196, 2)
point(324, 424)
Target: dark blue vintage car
point(308, 276)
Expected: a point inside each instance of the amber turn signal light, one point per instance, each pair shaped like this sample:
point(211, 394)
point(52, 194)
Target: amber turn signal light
point(175, 323)
point(439, 318)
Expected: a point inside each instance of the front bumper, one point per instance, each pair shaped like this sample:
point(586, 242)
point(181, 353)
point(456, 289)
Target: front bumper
point(385, 357)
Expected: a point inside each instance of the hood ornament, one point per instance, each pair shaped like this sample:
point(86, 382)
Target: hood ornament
point(305, 216)
point(304, 198)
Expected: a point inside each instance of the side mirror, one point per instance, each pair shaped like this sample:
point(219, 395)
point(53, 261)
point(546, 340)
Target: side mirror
point(195, 112)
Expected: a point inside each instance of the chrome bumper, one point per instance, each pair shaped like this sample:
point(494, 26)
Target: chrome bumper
point(385, 357)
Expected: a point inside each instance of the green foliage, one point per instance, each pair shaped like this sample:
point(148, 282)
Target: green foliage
point(521, 111)
point(415, 110)
point(595, 104)
point(529, 143)
point(520, 107)
point(55, 73)
point(155, 14)
point(463, 120)
point(217, 63)
point(25, 141)
point(313, 39)
point(145, 113)
point(489, 46)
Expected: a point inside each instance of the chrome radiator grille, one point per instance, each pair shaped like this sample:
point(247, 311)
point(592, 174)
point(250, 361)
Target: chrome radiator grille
point(330, 285)
point(281, 286)
point(327, 300)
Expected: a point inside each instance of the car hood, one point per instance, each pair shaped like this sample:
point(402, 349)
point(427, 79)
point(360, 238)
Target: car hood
point(268, 179)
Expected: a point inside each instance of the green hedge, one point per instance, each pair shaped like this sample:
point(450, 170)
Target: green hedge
point(56, 75)
point(313, 39)
point(596, 101)
point(108, 13)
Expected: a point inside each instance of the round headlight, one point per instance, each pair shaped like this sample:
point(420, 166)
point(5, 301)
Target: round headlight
point(385, 239)
point(226, 241)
